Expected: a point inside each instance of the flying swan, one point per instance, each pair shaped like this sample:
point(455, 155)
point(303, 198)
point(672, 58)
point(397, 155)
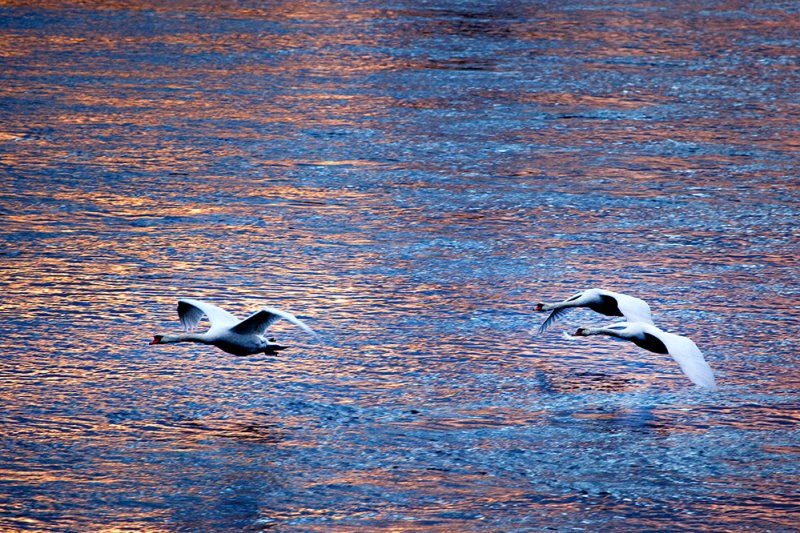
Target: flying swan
point(228, 333)
point(649, 337)
point(601, 301)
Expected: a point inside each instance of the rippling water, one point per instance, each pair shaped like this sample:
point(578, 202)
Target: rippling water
point(410, 178)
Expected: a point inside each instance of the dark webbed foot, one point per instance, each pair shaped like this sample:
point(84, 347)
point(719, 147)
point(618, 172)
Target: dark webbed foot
point(272, 349)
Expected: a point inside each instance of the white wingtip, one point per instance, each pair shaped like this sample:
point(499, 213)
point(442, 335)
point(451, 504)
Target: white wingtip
point(294, 320)
point(704, 379)
point(567, 336)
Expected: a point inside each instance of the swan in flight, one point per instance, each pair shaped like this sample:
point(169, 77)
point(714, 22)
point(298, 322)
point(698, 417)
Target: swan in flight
point(601, 301)
point(228, 333)
point(649, 337)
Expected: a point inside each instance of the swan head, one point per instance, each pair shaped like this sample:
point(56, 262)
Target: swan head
point(539, 307)
point(158, 339)
point(580, 332)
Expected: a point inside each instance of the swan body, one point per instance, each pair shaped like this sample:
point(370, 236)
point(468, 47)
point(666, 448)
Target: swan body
point(601, 301)
point(647, 336)
point(228, 333)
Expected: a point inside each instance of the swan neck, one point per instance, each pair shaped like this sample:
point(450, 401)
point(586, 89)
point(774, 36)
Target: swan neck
point(184, 337)
point(602, 331)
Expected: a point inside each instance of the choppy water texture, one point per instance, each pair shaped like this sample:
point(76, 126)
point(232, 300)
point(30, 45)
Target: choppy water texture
point(410, 178)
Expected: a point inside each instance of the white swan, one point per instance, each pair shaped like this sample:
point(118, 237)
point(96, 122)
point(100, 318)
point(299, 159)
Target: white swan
point(602, 301)
point(649, 337)
point(227, 333)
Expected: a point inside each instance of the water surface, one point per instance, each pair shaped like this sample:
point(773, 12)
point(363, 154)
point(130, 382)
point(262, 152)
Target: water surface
point(410, 178)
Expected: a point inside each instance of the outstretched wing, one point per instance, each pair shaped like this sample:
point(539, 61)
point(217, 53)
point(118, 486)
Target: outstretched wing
point(690, 359)
point(191, 311)
point(260, 321)
point(633, 309)
point(555, 315)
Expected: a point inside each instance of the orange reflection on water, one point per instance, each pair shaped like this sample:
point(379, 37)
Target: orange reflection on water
point(617, 101)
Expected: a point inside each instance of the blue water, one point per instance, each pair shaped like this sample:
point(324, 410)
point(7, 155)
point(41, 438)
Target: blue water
point(410, 179)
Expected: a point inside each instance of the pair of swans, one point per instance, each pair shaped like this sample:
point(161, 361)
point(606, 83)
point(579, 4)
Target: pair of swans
point(637, 328)
point(248, 336)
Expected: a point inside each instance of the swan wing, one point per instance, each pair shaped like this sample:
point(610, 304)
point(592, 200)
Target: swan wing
point(191, 311)
point(555, 315)
point(633, 309)
point(260, 321)
point(691, 360)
